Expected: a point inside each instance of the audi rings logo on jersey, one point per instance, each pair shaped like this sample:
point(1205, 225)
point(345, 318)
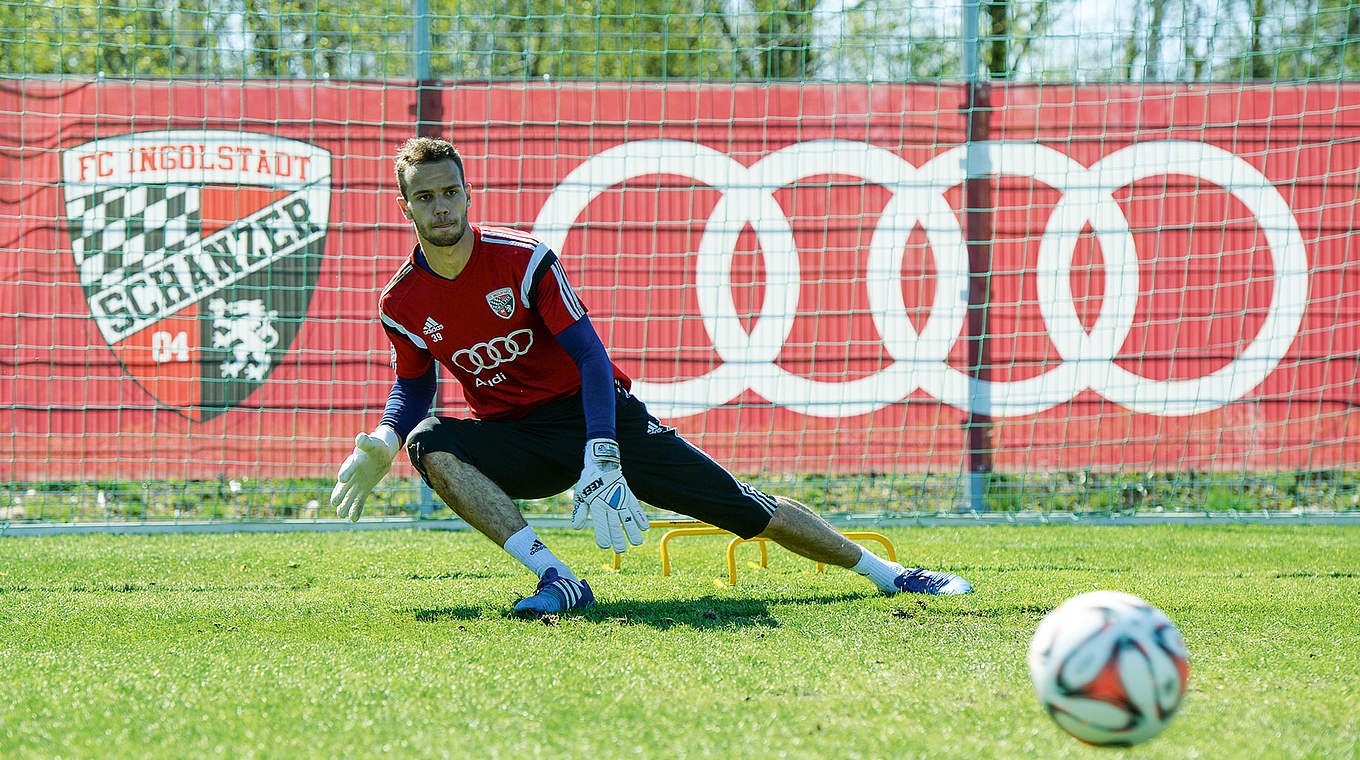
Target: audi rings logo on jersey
point(494, 352)
point(920, 359)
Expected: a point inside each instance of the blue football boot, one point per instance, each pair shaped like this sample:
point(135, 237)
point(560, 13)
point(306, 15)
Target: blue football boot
point(921, 581)
point(555, 594)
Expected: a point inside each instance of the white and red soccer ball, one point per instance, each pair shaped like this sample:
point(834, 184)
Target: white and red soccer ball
point(1109, 668)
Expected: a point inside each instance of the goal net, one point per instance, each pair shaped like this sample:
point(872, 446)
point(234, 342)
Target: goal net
point(865, 255)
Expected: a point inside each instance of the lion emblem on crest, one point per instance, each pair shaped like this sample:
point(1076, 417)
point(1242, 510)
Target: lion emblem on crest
point(244, 328)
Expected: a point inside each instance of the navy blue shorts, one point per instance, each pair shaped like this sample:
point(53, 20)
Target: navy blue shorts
point(539, 455)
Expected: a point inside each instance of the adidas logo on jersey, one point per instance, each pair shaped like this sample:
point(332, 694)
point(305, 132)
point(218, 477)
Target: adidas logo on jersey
point(432, 329)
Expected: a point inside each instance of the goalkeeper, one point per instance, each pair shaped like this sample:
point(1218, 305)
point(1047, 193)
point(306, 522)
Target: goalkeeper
point(549, 408)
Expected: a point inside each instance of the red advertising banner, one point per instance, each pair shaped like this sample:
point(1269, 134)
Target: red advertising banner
point(191, 269)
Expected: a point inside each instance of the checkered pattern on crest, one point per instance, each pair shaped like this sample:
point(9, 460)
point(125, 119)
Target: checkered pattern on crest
point(114, 229)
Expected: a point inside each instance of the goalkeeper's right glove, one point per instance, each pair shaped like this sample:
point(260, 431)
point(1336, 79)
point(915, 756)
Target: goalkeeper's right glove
point(604, 496)
point(370, 461)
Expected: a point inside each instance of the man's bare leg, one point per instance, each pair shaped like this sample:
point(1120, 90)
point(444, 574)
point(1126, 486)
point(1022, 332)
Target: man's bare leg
point(483, 505)
point(798, 529)
point(801, 531)
point(473, 497)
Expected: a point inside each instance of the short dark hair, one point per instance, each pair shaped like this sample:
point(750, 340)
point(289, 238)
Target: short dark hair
point(425, 150)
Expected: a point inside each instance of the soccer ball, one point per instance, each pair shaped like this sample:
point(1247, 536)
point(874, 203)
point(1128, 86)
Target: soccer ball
point(1109, 668)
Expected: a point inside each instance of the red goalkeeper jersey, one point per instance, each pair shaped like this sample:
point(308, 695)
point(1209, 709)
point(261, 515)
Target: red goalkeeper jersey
point(492, 327)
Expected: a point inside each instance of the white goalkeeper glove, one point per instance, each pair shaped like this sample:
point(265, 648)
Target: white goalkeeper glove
point(604, 495)
point(370, 461)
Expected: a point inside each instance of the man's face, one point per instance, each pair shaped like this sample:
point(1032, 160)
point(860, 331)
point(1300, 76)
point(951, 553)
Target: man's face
point(436, 202)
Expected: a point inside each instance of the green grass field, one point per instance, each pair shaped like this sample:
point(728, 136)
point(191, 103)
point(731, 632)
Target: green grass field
point(398, 644)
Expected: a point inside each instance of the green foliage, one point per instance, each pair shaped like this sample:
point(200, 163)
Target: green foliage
point(478, 39)
point(881, 40)
point(1295, 40)
point(398, 644)
point(206, 38)
point(1239, 40)
point(700, 40)
point(1014, 31)
point(625, 39)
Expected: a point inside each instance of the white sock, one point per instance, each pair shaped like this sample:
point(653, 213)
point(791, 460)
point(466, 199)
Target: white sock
point(533, 554)
point(880, 571)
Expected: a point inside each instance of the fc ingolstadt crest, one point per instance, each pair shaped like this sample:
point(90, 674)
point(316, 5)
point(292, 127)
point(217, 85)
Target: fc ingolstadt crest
point(502, 302)
point(198, 252)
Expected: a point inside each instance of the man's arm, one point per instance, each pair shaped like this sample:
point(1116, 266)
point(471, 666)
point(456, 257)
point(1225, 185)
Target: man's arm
point(583, 344)
point(409, 402)
point(547, 290)
point(601, 493)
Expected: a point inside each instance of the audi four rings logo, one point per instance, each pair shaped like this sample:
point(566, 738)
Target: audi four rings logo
point(494, 352)
point(920, 359)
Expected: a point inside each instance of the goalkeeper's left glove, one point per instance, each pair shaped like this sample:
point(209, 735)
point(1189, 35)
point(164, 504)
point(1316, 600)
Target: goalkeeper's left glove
point(604, 495)
point(365, 466)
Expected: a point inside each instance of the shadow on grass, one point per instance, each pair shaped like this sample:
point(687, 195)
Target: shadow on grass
point(1000, 610)
point(660, 615)
point(1314, 574)
point(1054, 568)
point(705, 613)
point(170, 587)
point(456, 575)
point(441, 614)
point(702, 613)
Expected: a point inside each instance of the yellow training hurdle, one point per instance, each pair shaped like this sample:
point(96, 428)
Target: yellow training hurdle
point(681, 528)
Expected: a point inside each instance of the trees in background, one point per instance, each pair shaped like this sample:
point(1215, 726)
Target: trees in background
point(1236, 40)
point(704, 40)
point(372, 39)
